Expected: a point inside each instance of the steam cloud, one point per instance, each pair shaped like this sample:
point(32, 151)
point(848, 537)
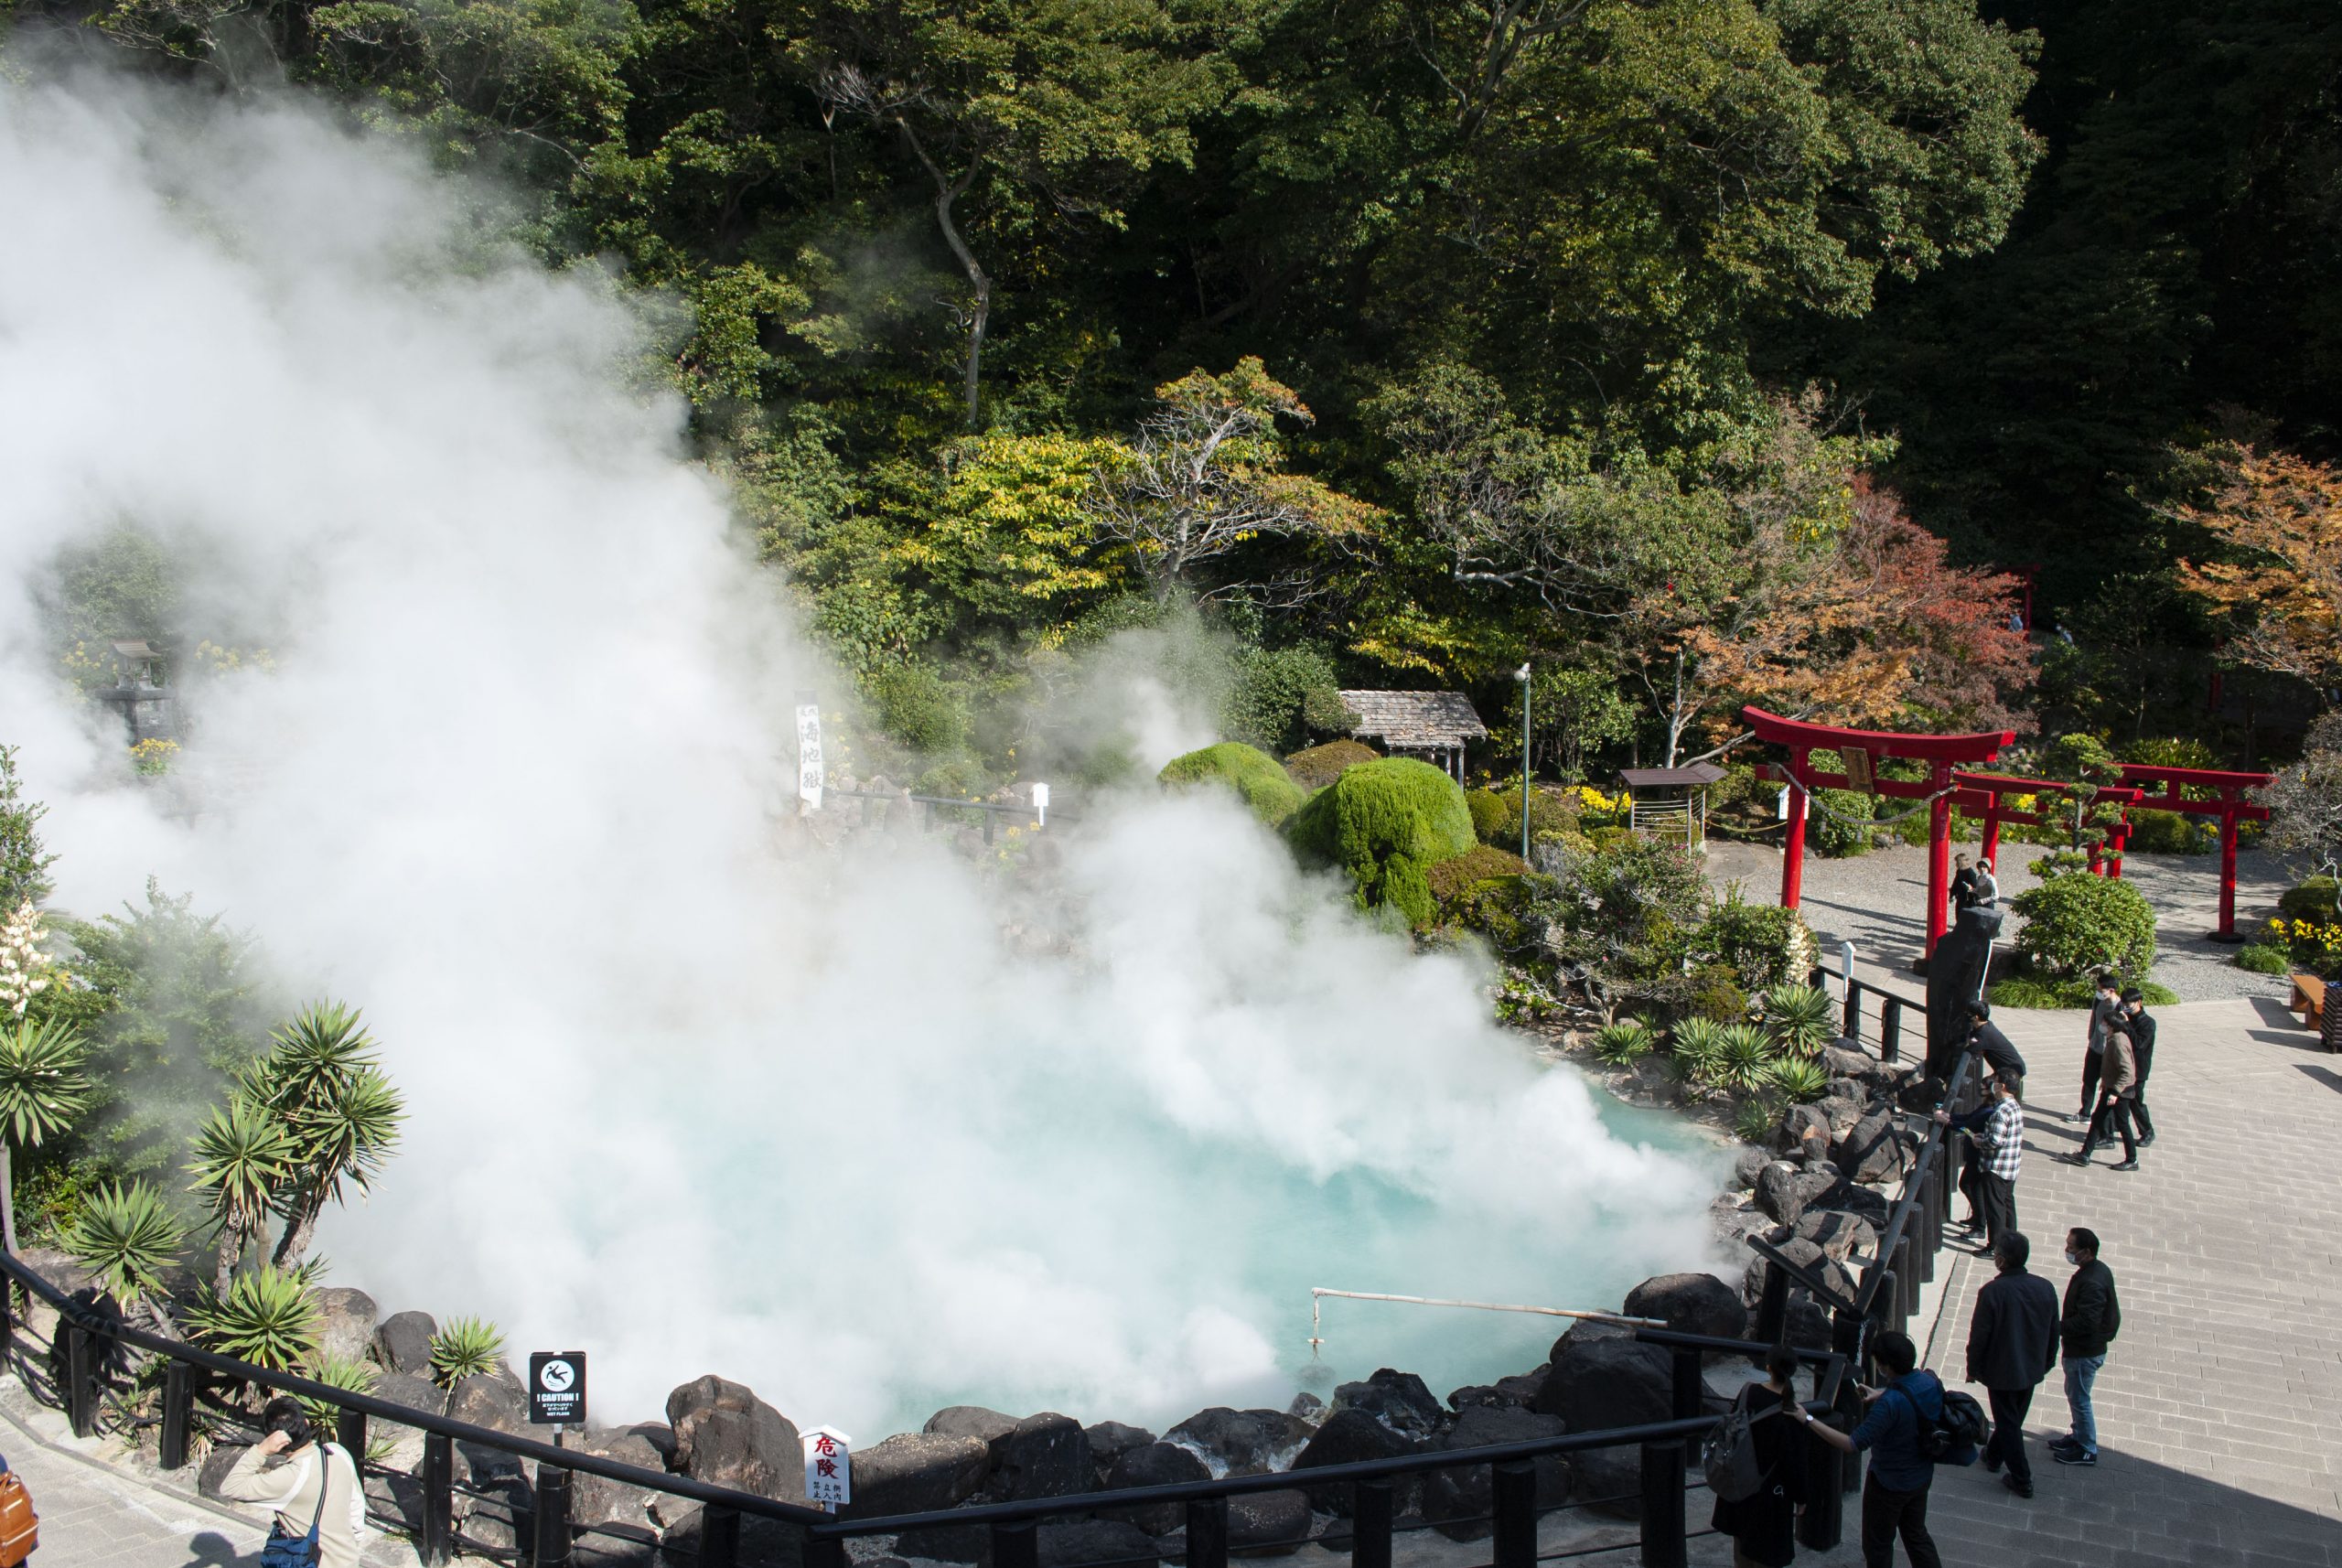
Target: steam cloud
point(681, 1092)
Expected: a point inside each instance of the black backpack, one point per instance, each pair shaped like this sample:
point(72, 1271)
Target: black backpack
point(1956, 1435)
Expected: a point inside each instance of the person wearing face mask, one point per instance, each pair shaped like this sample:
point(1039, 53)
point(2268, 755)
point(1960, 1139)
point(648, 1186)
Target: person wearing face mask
point(2091, 1319)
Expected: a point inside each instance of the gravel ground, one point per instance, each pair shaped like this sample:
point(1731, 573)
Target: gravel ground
point(1879, 900)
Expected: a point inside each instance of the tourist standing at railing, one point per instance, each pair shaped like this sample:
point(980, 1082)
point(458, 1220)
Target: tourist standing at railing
point(2011, 1345)
point(1763, 1526)
point(2104, 1010)
point(2092, 1318)
point(1895, 1493)
point(2142, 1027)
point(312, 1484)
point(1998, 1125)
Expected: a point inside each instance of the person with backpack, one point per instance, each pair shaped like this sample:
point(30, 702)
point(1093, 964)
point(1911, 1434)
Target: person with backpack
point(2011, 1345)
point(2091, 1320)
point(1894, 1433)
point(312, 1487)
point(1763, 1522)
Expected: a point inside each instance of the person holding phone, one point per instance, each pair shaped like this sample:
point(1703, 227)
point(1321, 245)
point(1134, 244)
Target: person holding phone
point(1895, 1493)
point(312, 1484)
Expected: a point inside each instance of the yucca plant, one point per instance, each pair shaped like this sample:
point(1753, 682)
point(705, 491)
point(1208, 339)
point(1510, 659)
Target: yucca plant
point(243, 1158)
point(468, 1346)
point(266, 1316)
point(1801, 1079)
point(320, 1080)
point(1753, 1122)
point(1744, 1060)
point(127, 1236)
point(42, 1089)
point(357, 1376)
point(1801, 1018)
point(1698, 1049)
point(1619, 1043)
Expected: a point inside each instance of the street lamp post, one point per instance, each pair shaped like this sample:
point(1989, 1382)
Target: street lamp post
point(1522, 675)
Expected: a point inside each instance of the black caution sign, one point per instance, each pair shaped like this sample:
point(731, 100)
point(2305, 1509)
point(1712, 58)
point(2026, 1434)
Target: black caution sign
point(557, 1388)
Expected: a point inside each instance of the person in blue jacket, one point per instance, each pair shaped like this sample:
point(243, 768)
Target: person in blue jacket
point(1894, 1494)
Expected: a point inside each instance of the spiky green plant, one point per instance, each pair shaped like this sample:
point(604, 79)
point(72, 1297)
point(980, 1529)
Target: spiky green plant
point(466, 1346)
point(1698, 1049)
point(357, 1376)
point(267, 1317)
point(1744, 1060)
point(1801, 1018)
point(1622, 1042)
point(1753, 1119)
point(1801, 1079)
point(42, 1089)
point(321, 1081)
point(127, 1236)
point(242, 1158)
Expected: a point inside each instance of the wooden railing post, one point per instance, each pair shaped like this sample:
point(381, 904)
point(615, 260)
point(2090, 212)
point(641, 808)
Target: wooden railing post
point(179, 1406)
point(552, 1546)
point(1773, 1305)
point(349, 1430)
point(1890, 1030)
point(1663, 1509)
point(719, 1537)
point(80, 1379)
point(438, 1542)
point(1853, 1012)
point(825, 1550)
point(1516, 1510)
point(1370, 1513)
point(1015, 1543)
point(1207, 1533)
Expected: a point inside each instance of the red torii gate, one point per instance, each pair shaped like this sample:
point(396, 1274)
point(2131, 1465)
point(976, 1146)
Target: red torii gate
point(2230, 808)
point(1980, 797)
point(1941, 752)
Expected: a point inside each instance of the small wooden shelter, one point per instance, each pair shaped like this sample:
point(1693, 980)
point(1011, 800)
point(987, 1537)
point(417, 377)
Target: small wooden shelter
point(1671, 802)
point(1433, 725)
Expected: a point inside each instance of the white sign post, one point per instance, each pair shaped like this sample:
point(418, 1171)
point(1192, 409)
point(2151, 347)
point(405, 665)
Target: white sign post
point(1041, 804)
point(809, 752)
point(829, 1467)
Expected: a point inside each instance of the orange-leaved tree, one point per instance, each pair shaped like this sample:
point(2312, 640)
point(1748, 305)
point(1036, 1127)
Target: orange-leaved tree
point(2279, 578)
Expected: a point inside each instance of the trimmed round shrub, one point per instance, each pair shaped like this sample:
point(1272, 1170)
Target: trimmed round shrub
point(2264, 957)
point(2169, 833)
point(2078, 923)
point(1386, 823)
point(2313, 901)
point(1321, 765)
point(1253, 773)
point(1714, 994)
point(1490, 813)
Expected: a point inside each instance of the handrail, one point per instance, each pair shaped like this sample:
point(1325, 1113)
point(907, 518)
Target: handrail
point(95, 1322)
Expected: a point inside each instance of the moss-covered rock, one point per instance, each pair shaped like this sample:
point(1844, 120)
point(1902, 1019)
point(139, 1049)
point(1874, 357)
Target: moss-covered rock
point(1321, 765)
point(1253, 773)
point(1386, 823)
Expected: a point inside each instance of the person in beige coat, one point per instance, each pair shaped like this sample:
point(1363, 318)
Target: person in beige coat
point(283, 1470)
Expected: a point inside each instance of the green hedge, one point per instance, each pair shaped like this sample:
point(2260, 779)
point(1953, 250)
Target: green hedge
point(2031, 990)
point(2078, 923)
point(1253, 774)
point(2313, 901)
point(2264, 957)
point(1825, 835)
point(1386, 823)
point(1321, 765)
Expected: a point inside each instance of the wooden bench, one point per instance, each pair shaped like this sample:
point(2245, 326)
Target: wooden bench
point(2309, 1001)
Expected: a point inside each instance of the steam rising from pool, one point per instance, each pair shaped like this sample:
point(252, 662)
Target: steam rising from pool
point(682, 1093)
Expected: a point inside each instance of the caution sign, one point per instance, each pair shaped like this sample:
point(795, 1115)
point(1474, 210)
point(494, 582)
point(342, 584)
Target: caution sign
point(557, 1388)
point(829, 1467)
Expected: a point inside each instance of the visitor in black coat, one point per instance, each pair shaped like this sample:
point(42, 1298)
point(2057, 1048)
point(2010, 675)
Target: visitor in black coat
point(1763, 1527)
point(2012, 1346)
point(2142, 1027)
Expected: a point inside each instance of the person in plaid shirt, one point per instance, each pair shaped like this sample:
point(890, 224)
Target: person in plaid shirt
point(1998, 1126)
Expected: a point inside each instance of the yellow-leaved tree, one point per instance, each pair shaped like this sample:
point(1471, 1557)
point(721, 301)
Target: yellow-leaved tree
point(2279, 578)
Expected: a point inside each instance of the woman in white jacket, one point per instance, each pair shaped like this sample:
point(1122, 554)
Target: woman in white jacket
point(284, 1471)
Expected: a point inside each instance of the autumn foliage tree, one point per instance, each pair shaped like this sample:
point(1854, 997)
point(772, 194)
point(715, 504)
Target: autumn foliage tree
point(2279, 576)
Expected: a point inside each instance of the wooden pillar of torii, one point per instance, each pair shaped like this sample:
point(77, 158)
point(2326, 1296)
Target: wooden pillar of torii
point(1859, 752)
point(2166, 791)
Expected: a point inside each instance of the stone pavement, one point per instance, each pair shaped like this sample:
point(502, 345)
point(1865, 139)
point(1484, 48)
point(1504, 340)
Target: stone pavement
point(91, 1516)
point(2220, 1409)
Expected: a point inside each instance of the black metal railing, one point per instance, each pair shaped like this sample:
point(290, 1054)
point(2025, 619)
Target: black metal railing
point(930, 806)
point(93, 1337)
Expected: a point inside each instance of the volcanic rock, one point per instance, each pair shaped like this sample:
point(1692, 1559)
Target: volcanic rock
point(1874, 1150)
point(1806, 1324)
point(497, 1512)
point(1603, 1376)
point(1045, 1456)
point(1838, 1234)
point(1479, 1396)
point(1467, 1491)
point(1866, 1203)
point(1306, 1408)
point(969, 1421)
point(1110, 1440)
point(1785, 1192)
point(594, 1499)
point(1522, 1390)
point(1747, 1164)
point(1156, 1465)
point(1609, 1480)
point(1690, 1303)
point(1800, 1127)
point(764, 1542)
point(1269, 1524)
point(486, 1398)
point(1398, 1400)
point(727, 1436)
point(345, 1323)
point(402, 1343)
point(414, 1393)
point(917, 1473)
point(1240, 1442)
point(222, 1458)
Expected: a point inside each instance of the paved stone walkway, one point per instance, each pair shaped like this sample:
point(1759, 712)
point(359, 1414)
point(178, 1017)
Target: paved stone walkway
point(91, 1516)
point(2220, 1409)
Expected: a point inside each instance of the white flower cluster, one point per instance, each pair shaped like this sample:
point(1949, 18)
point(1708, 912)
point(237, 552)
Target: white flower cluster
point(21, 960)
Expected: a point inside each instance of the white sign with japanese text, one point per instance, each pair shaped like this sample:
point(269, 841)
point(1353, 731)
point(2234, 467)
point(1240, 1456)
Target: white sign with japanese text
point(808, 755)
point(829, 1468)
